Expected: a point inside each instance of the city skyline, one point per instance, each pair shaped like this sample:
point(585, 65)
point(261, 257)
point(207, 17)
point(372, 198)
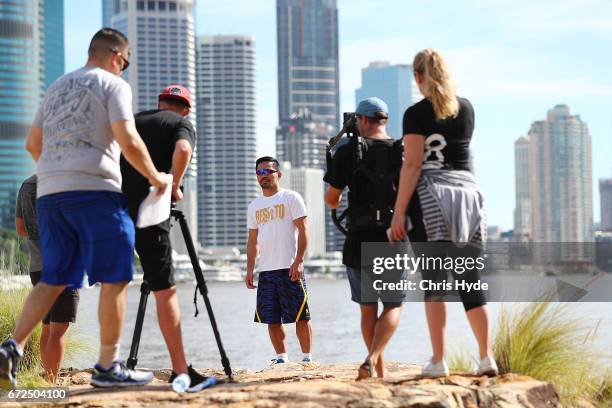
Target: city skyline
point(520, 58)
point(394, 84)
point(31, 58)
point(302, 142)
point(162, 52)
point(308, 88)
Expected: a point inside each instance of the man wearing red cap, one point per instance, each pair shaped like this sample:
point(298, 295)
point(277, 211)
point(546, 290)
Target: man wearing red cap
point(170, 139)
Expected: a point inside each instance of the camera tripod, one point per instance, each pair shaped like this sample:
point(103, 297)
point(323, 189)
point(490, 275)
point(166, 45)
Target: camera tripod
point(201, 286)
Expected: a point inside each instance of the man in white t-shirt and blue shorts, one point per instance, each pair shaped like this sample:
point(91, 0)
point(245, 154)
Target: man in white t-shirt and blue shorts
point(278, 231)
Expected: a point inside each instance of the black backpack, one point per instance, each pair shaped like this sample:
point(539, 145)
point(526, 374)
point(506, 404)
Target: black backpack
point(374, 183)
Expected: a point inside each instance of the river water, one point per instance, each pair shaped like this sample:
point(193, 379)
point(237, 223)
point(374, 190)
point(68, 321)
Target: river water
point(335, 322)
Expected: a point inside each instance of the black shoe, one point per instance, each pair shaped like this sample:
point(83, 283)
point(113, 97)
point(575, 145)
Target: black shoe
point(197, 381)
point(10, 356)
point(118, 375)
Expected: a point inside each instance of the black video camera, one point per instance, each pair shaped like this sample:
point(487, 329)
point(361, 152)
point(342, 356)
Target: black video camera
point(349, 125)
point(349, 128)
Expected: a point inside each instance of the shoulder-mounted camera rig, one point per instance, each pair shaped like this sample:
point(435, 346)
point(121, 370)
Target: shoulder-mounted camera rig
point(349, 128)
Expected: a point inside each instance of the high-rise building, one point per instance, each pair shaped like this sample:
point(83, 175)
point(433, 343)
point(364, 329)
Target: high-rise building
point(108, 6)
point(162, 46)
point(162, 52)
point(605, 196)
point(31, 57)
point(561, 185)
point(307, 47)
point(302, 141)
point(308, 79)
point(227, 137)
point(395, 85)
point(522, 209)
point(309, 184)
point(54, 40)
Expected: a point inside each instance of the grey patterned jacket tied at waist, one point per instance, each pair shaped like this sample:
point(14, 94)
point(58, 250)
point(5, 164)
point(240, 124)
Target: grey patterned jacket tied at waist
point(452, 207)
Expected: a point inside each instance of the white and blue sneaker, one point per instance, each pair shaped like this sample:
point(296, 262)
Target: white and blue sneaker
point(10, 356)
point(277, 360)
point(118, 375)
point(307, 360)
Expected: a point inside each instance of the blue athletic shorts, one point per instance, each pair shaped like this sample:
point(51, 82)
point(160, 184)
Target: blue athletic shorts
point(279, 299)
point(85, 232)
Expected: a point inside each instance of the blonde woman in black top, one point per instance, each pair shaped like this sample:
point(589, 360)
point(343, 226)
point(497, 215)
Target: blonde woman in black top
point(438, 192)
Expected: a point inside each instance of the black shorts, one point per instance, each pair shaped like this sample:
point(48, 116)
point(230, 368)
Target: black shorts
point(155, 252)
point(64, 310)
point(362, 288)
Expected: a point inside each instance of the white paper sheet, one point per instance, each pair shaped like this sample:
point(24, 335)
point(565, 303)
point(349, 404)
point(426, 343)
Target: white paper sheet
point(155, 208)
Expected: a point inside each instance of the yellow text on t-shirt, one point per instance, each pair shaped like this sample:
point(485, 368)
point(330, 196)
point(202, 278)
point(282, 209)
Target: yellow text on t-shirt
point(267, 214)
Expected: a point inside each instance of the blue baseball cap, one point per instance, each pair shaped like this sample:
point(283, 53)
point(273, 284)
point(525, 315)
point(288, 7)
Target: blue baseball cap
point(369, 107)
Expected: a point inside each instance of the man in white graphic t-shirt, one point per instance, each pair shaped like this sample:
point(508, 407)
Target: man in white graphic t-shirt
point(278, 231)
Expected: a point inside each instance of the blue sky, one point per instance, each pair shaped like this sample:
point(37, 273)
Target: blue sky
point(513, 59)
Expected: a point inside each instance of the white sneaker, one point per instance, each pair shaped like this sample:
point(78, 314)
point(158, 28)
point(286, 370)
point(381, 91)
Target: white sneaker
point(433, 370)
point(488, 367)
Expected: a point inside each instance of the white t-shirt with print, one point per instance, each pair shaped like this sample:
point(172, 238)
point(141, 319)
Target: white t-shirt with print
point(277, 235)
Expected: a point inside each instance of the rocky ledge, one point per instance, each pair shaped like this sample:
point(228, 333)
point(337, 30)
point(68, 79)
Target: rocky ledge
point(313, 385)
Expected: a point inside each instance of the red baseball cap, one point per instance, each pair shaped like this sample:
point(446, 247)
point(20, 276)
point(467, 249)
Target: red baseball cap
point(176, 92)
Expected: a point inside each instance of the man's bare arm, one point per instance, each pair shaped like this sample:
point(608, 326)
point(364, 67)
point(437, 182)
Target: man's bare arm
point(251, 257)
point(20, 227)
point(302, 244)
point(180, 160)
point(333, 196)
point(297, 268)
point(34, 142)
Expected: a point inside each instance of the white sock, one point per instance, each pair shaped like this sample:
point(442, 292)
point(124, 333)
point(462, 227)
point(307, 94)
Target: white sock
point(109, 353)
point(284, 356)
point(307, 355)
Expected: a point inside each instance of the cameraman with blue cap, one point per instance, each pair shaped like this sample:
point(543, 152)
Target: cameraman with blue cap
point(368, 165)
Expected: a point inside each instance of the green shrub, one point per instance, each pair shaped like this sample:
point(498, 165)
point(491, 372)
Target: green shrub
point(546, 341)
point(460, 360)
point(11, 303)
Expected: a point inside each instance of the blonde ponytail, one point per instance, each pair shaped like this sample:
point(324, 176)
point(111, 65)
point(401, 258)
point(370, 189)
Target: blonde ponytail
point(438, 83)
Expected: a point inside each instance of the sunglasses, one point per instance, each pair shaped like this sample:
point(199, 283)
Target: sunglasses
point(126, 63)
point(265, 172)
